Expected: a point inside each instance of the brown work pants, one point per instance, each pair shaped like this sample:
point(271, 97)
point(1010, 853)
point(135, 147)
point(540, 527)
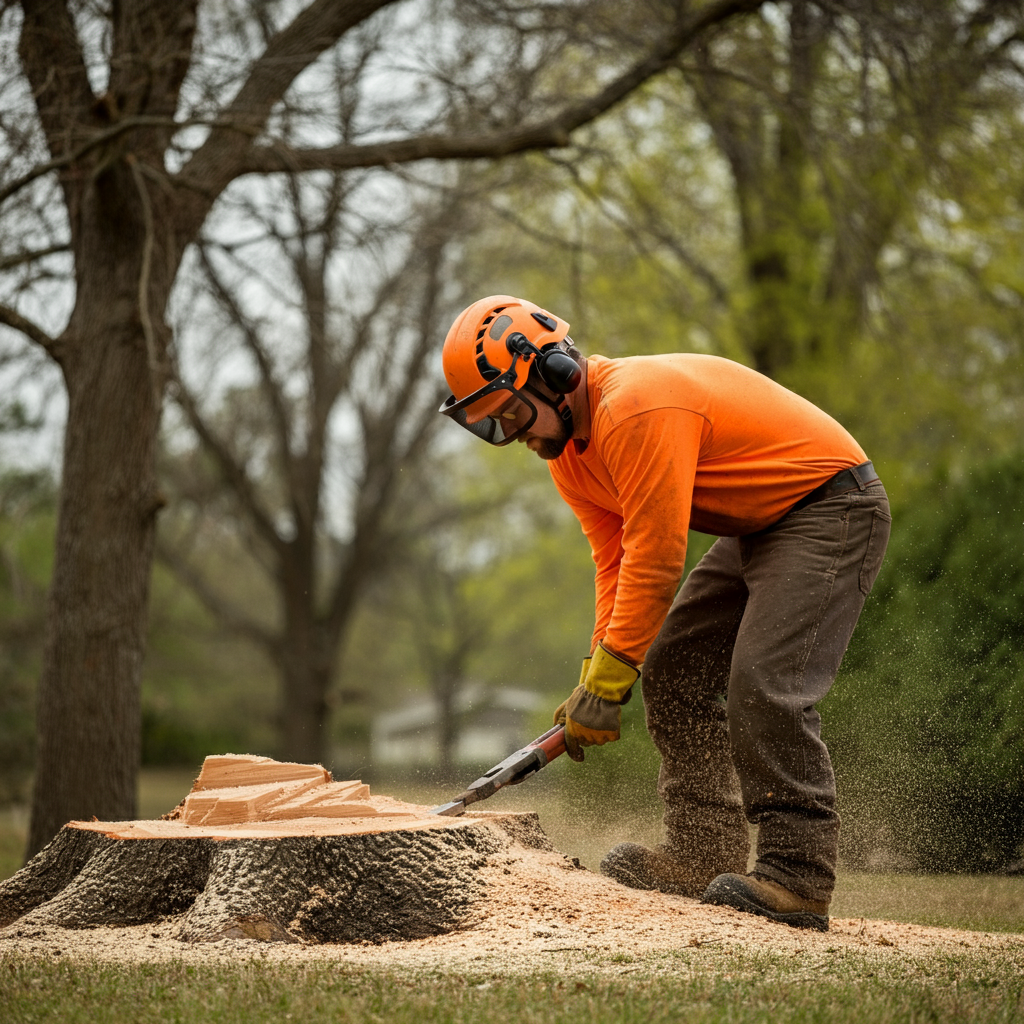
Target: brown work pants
point(752, 642)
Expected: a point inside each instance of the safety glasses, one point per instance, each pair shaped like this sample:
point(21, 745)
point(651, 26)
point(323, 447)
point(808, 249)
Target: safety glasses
point(493, 428)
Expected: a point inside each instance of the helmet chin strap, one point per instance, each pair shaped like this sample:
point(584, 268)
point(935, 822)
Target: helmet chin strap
point(559, 404)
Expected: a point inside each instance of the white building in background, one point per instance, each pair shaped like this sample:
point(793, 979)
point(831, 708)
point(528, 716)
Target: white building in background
point(492, 724)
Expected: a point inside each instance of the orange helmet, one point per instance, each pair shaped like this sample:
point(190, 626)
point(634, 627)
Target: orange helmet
point(500, 347)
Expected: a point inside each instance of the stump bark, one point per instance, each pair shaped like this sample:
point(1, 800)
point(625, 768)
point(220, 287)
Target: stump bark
point(384, 871)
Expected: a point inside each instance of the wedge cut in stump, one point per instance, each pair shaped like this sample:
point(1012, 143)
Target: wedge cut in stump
point(262, 849)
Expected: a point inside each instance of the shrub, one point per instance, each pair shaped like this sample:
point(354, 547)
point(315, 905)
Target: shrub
point(926, 723)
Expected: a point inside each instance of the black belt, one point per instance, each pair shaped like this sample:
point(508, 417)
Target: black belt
point(856, 478)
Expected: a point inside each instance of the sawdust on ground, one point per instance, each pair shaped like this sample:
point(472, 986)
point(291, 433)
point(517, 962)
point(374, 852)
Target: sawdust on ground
point(543, 913)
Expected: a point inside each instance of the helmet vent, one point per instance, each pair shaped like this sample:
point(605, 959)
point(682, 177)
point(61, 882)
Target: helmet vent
point(487, 370)
point(498, 328)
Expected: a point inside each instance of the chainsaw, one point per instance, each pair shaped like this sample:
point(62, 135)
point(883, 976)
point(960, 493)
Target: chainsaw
point(514, 769)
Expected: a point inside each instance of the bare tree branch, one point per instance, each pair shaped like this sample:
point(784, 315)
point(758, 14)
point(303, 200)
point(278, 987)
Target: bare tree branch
point(268, 378)
point(384, 458)
point(99, 138)
point(653, 226)
point(551, 134)
point(234, 474)
point(291, 50)
point(229, 615)
point(19, 259)
point(12, 318)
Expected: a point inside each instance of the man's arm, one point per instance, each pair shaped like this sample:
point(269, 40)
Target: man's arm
point(652, 459)
point(605, 537)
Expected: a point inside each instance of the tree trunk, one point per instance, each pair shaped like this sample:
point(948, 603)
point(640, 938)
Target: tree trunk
point(88, 702)
point(445, 689)
point(307, 659)
point(304, 708)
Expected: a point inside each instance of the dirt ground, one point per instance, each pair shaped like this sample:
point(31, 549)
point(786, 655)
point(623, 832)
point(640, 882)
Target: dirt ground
point(543, 913)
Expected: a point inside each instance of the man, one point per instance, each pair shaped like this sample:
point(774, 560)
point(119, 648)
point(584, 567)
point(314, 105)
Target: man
point(660, 445)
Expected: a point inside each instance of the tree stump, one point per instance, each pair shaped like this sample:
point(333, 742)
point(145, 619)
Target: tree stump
point(282, 854)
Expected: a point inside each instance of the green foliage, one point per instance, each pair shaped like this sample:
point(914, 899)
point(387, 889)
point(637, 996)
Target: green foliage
point(804, 202)
point(27, 504)
point(490, 582)
point(168, 741)
point(203, 692)
point(927, 718)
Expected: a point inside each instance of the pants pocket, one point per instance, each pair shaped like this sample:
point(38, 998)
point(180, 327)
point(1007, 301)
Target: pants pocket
point(878, 539)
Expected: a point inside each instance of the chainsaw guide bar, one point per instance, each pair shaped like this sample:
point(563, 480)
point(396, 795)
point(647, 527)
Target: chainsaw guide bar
point(514, 769)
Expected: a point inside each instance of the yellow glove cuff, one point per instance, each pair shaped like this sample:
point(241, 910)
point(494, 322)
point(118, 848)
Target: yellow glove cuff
point(609, 677)
point(584, 671)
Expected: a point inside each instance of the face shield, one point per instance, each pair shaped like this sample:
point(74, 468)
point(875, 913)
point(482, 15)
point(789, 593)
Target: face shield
point(487, 412)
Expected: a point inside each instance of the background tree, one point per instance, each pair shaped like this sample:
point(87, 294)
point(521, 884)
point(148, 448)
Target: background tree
point(830, 120)
point(443, 594)
point(808, 194)
point(338, 318)
point(476, 595)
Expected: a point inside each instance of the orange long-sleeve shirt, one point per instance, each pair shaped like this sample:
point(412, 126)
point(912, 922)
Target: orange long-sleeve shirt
point(678, 442)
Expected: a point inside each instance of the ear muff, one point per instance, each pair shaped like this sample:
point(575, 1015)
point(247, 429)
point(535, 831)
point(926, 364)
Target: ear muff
point(558, 370)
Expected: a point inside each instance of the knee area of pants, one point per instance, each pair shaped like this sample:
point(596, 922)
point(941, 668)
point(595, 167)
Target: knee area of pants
point(757, 719)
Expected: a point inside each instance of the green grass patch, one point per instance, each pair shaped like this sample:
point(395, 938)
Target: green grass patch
point(984, 903)
point(700, 989)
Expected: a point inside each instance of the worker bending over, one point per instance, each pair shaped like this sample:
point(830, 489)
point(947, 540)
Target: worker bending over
point(644, 449)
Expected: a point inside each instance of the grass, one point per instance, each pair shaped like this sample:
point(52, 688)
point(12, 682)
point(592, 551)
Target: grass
point(984, 903)
point(699, 988)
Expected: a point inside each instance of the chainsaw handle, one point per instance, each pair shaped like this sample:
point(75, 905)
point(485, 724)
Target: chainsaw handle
point(552, 742)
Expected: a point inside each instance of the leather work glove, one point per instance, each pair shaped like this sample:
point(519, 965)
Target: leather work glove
point(593, 712)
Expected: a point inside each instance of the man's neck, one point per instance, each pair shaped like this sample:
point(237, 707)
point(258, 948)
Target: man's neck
point(579, 403)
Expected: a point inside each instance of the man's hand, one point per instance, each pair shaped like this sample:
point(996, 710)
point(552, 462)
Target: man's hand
point(588, 720)
point(593, 712)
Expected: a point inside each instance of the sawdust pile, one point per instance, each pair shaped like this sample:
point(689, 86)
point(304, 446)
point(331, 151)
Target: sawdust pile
point(540, 912)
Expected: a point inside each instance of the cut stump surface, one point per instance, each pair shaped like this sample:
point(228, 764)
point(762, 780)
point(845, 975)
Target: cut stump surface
point(282, 854)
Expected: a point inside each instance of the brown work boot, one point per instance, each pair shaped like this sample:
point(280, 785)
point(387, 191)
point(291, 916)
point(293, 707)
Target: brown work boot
point(641, 868)
point(755, 894)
